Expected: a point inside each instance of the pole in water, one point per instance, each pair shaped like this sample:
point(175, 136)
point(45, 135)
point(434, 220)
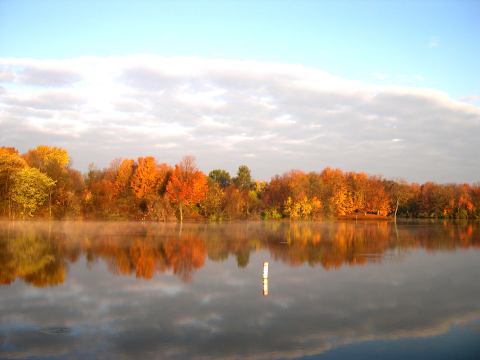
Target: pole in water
point(265, 278)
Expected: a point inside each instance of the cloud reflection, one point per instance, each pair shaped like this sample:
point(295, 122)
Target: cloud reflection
point(414, 280)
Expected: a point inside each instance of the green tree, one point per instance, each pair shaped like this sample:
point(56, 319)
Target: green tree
point(31, 189)
point(243, 180)
point(221, 177)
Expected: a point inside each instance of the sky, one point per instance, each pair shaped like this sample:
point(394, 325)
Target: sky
point(386, 87)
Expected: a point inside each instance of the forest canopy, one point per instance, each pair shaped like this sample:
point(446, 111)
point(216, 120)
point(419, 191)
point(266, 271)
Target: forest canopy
point(42, 184)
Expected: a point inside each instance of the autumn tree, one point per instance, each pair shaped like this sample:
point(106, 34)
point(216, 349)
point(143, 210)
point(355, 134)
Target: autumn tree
point(475, 196)
point(292, 194)
point(301, 209)
point(435, 201)
point(30, 190)
point(161, 204)
point(338, 198)
point(233, 202)
point(341, 200)
point(274, 196)
point(377, 200)
point(123, 176)
point(50, 160)
point(358, 185)
point(145, 182)
point(398, 192)
point(464, 204)
point(68, 197)
point(54, 162)
point(10, 163)
point(145, 179)
point(212, 203)
point(187, 185)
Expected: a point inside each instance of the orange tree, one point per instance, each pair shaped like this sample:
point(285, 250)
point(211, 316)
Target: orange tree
point(187, 185)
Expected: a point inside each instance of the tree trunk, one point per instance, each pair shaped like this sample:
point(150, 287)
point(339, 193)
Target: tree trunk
point(7, 192)
point(181, 213)
point(396, 208)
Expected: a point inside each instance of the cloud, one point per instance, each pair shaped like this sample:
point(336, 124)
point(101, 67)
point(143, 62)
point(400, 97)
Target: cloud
point(471, 99)
point(47, 77)
point(413, 292)
point(288, 116)
point(38, 72)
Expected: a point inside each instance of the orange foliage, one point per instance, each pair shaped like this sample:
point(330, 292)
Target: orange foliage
point(185, 255)
point(143, 259)
point(145, 179)
point(124, 175)
point(187, 185)
point(158, 190)
point(144, 251)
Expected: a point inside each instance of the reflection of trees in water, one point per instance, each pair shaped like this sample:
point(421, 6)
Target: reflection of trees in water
point(39, 254)
point(333, 246)
point(360, 243)
point(143, 255)
point(37, 260)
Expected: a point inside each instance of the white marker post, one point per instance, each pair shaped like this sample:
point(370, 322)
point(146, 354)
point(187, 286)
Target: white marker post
point(265, 278)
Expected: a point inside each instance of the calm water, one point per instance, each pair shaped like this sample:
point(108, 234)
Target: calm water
point(334, 290)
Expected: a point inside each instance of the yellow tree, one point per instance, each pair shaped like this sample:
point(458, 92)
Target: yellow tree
point(303, 208)
point(54, 161)
point(10, 163)
point(30, 190)
point(48, 159)
point(212, 204)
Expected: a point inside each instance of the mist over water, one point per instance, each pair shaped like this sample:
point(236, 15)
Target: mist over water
point(149, 290)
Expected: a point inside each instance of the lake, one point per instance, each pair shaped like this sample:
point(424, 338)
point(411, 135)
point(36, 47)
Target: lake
point(326, 290)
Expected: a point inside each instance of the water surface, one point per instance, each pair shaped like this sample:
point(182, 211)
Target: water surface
point(335, 290)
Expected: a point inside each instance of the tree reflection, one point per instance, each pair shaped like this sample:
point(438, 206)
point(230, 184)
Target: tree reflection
point(39, 255)
point(35, 259)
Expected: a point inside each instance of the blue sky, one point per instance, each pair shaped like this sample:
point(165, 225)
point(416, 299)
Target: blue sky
point(386, 87)
point(420, 43)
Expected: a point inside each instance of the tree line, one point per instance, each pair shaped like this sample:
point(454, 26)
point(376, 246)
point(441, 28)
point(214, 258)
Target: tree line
point(41, 184)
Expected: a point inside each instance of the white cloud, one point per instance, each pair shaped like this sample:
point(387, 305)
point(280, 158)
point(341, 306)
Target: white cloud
point(288, 116)
point(473, 99)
